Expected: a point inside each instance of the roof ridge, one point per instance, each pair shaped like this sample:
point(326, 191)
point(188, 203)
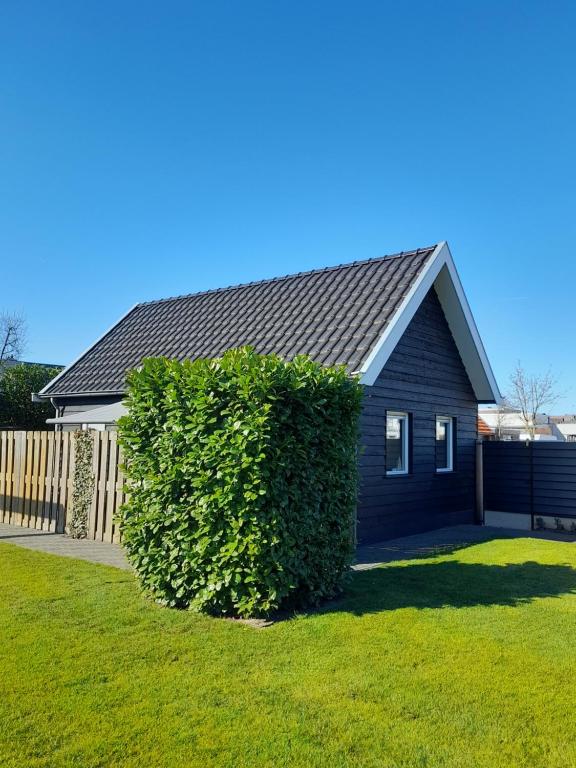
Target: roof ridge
point(359, 262)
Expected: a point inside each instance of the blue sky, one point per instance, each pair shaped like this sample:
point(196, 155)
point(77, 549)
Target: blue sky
point(151, 149)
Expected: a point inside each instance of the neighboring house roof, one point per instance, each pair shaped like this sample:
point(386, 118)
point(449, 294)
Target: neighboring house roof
point(10, 363)
point(353, 314)
point(508, 418)
point(483, 428)
point(567, 418)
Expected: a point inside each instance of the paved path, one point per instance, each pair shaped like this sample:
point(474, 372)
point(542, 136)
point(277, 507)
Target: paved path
point(432, 542)
point(58, 544)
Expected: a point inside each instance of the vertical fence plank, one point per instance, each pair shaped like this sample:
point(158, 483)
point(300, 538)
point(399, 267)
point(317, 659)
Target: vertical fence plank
point(96, 504)
point(63, 485)
point(19, 475)
point(9, 477)
point(70, 478)
point(63, 481)
point(101, 482)
point(28, 478)
point(93, 513)
point(117, 538)
point(46, 511)
point(56, 474)
point(32, 466)
point(15, 516)
point(35, 470)
point(3, 473)
point(111, 485)
point(41, 481)
point(38, 478)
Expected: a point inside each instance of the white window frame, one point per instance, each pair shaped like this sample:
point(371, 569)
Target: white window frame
point(403, 416)
point(449, 421)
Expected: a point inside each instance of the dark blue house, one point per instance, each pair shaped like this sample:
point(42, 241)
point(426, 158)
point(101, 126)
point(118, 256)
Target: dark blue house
point(400, 323)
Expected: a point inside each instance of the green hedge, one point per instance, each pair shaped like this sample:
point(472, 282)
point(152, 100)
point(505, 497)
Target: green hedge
point(242, 477)
point(17, 383)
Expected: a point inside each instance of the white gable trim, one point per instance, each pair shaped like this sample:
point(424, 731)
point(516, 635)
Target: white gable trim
point(440, 272)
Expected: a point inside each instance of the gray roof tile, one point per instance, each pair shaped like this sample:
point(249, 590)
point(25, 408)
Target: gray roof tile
point(335, 315)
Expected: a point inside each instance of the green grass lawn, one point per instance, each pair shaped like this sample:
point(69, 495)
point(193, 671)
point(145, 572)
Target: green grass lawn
point(463, 659)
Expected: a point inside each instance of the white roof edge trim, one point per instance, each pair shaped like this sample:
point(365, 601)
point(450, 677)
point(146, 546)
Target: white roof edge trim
point(465, 332)
point(440, 272)
point(85, 352)
point(378, 357)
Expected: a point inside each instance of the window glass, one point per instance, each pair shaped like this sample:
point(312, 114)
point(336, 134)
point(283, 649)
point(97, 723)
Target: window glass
point(396, 443)
point(444, 444)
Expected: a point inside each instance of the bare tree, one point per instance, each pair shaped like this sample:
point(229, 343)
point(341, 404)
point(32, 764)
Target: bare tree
point(12, 336)
point(501, 412)
point(531, 394)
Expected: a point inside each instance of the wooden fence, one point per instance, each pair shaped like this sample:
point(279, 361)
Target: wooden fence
point(534, 479)
point(37, 478)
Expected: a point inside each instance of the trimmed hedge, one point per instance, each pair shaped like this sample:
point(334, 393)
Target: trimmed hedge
point(242, 475)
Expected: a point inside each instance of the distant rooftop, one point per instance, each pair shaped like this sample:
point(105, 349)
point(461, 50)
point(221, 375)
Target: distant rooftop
point(10, 363)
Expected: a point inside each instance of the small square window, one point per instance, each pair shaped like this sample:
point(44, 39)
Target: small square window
point(397, 428)
point(444, 444)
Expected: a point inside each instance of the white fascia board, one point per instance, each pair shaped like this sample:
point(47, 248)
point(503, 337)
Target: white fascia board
point(465, 332)
point(441, 273)
point(81, 355)
point(385, 345)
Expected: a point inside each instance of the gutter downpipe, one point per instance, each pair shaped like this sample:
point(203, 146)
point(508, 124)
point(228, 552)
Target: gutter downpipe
point(36, 398)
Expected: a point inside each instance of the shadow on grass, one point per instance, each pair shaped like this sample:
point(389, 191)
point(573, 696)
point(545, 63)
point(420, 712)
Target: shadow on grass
point(372, 555)
point(459, 585)
point(449, 542)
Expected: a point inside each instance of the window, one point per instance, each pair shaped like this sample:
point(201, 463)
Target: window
point(444, 444)
point(397, 428)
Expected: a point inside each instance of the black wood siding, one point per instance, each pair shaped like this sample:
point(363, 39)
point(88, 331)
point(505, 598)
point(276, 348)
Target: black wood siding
point(424, 377)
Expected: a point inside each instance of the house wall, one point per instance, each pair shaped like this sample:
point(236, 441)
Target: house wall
point(78, 404)
point(424, 377)
point(70, 405)
point(564, 431)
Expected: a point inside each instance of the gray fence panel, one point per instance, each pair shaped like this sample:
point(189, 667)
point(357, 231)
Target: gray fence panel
point(536, 478)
